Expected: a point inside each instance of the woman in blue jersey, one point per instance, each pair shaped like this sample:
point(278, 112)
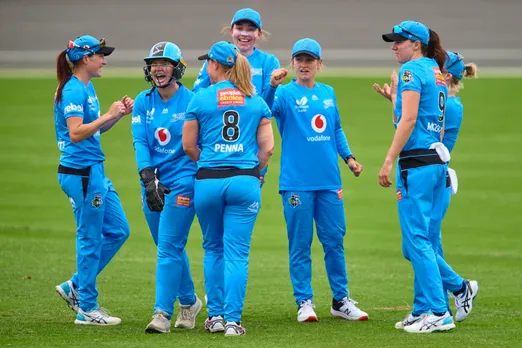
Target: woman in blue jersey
point(463, 290)
point(310, 181)
point(418, 108)
point(235, 143)
point(245, 30)
point(102, 227)
point(167, 179)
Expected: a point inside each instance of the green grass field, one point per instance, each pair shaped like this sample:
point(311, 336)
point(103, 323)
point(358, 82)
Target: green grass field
point(481, 232)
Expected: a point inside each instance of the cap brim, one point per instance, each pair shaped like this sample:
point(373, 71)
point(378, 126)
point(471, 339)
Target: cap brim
point(203, 57)
point(246, 19)
point(392, 37)
point(106, 51)
point(311, 54)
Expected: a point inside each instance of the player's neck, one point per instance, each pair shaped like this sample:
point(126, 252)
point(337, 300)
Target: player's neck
point(306, 83)
point(452, 91)
point(168, 92)
point(247, 53)
point(83, 76)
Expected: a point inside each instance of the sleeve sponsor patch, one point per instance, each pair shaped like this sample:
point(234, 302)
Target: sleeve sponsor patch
point(439, 78)
point(407, 76)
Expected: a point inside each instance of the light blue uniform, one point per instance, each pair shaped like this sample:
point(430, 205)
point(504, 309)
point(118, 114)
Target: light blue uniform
point(156, 129)
point(421, 179)
point(310, 182)
point(227, 192)
point(102, 226)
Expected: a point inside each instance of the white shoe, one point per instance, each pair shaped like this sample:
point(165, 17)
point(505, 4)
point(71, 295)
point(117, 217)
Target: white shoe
point(215, 324)
point(347, 309)
point(306, 312)
point(187, 315)
point(431, 323)
point(234, 329)
point(98, 316)
point(464, 301)
point(408, 320)
point(68, 292)
point(160, 323)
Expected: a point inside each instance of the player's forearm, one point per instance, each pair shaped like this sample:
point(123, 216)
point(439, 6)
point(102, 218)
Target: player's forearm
point(86, 130)
point(109, 125)
point(192, 152)
point(265, 142)
point(402, 134)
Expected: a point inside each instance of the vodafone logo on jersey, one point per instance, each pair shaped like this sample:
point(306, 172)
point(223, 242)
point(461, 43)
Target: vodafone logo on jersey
point(319, 123)
point(162, 135)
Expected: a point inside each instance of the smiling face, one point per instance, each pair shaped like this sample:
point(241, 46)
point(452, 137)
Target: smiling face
point(244, 35)
point(161, 71)
point(405, 50)
point(94, 64)
point(305, 66)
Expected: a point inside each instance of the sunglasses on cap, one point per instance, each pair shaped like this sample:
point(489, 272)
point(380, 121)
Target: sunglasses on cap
point(72, 45)
point(397, 29)
point(460, 58)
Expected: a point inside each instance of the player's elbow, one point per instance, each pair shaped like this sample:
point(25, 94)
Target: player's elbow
point(75, 138)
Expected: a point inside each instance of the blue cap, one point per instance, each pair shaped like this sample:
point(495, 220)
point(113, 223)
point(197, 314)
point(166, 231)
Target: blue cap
point(87, 45)
point(247, 14)
point(223, 52)
point(307, 46)
point(455, 64)
point(409, 30)
point(165, 50)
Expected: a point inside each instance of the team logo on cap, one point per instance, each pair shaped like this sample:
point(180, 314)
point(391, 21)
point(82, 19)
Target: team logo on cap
point(162, 135)
point(319, 123)
point(230, 59)
point(158, 49)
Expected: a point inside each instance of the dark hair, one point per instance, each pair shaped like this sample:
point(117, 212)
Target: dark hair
point(434, 50)
point(63, 73)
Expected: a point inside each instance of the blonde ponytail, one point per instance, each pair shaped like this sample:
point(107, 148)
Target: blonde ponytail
point(241, 76)
point(471, 70)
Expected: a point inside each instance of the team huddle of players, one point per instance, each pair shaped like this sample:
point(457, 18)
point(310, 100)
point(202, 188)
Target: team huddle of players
point(206, 151)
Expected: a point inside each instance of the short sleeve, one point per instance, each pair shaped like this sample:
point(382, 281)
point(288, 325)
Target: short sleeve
point(192, 109)
point(73, 101)
point(411, 78)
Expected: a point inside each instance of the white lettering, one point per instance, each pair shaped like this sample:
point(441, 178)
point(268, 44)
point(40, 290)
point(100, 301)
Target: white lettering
point(61, 145)
point(433, 127)
point(73, 107)
point(136, 119)
point(164, 150)
point(228, 148)
point(319, 138)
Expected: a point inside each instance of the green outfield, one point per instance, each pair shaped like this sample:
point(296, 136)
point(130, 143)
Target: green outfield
point(481, 232)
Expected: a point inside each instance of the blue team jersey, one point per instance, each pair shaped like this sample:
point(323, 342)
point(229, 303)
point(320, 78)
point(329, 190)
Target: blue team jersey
point(423, 75)
point(261, 66)
point(452, 122)
point(78, 100)
point(312, 137)
point(156, 130)
point(228, 124)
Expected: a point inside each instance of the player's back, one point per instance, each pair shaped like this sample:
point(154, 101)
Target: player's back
point(452, 122)
point(228, 123)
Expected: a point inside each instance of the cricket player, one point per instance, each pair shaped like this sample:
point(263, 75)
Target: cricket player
point(310, 181)
point(419, 107)
point(102, 226)
point(235, 142)
point(167, 179)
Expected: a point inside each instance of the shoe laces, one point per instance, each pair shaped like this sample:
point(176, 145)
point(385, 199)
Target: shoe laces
point(306, 303)
point(185, 313)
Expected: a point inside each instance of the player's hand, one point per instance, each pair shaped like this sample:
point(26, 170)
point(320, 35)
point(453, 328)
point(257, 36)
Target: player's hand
point(278, 76)
point(385, 90)
point(384, 174)
point(394, 83)
point(128, 102)
point(355, 167)
point(116, 110)
point(154, 191)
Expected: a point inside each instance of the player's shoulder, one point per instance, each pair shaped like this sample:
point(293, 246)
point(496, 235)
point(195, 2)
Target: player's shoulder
point(324, 88)
point(74, 85)
point(267, 56)
point(187, 93)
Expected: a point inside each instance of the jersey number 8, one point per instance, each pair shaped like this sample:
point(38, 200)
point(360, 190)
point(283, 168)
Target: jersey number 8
point(230, 130)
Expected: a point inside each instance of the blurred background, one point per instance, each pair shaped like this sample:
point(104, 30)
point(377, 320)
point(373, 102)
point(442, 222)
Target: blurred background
point(34, 31)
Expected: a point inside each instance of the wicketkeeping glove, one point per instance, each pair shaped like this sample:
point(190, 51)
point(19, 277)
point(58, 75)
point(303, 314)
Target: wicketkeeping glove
point(154, 191)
